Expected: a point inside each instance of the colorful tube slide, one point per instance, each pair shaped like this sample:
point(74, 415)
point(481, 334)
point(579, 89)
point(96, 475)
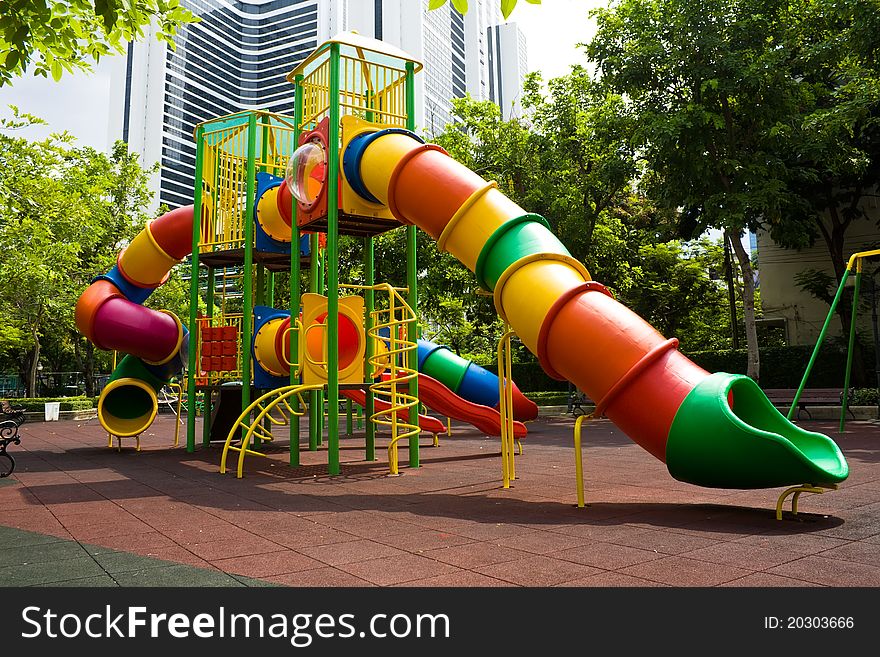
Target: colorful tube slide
point(111, 315)
point(715, 430)
point(438, 397)
point(426, 422)
point(468, 380)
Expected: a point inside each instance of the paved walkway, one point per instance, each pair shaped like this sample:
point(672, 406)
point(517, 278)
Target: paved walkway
point(77, 513)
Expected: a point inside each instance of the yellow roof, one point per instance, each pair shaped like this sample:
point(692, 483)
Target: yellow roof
point(361, 45)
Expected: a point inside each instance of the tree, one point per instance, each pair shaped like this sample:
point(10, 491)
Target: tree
point(56, 36)
point(65, 213)
point(114, 189)
point(832, 142)
point(705, 86)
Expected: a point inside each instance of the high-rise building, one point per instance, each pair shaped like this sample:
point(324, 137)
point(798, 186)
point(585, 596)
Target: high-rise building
point(508, 66)
point(238, 55)
point(235, 58)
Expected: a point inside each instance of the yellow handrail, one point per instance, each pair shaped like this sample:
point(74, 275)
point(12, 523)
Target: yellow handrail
point(300, 352)
point(505, 406)
point(275, 399)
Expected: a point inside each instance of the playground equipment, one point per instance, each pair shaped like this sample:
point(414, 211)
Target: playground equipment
point(855, 263)
point(349, 163)
point(110, 314)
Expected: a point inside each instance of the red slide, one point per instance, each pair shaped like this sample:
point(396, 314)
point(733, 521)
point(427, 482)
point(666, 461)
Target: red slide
point(438, 397)
point(426, 422)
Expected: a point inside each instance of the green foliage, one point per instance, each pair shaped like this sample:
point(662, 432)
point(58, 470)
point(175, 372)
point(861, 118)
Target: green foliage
point(865, 397)
point(461, 6)
point(55, 36)
point(65, 212)
point(36, 404)
point(782, 366)
point(548, 397)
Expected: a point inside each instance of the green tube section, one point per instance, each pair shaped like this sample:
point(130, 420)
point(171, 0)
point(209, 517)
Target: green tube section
point(128, 403)
point(715, 445)
point(447, 367)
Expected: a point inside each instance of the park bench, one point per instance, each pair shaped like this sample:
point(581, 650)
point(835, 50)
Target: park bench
point(783, 397)
point(8, 412)
point(10, 420)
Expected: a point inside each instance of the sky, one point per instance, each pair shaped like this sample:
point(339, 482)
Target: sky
point(78, 103)
point(553, 29)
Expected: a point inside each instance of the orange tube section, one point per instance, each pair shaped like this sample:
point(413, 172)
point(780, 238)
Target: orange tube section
point(578, 331)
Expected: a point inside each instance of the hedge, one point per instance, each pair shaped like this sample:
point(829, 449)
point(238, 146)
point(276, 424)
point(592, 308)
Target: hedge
point(37, 404)
point(548, 398)
point(781, 367)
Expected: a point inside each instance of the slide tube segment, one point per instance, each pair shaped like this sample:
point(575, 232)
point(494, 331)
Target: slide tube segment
point(580, 333)
point(109, 313)
point(468, 380)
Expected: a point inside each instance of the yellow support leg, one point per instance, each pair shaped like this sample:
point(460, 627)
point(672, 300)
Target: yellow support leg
point(579, 459)
point(795, 492)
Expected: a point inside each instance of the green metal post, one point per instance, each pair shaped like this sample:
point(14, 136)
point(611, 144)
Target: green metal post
point(370, 306)
point(270, 288)
point(206, 418)
point(852, 341)
point(333, 267)
point(248, 265)
point(194, 297)
point(260, 300)
point(412, 280)
point(322, 289)
point(797, 395)
point(294, 280)
point(316, 403)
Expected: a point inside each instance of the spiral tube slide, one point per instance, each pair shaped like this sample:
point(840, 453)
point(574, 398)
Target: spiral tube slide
point(715, 430)
point(468, 380)
point(111, 315)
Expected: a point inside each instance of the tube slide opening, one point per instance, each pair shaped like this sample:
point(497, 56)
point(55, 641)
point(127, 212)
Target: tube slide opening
point(127, 407)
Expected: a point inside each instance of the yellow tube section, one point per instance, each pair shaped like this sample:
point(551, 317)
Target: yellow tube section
point(144, 262)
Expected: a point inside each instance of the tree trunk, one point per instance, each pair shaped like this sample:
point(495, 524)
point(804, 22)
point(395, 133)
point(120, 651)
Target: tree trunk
point(748, 297)
point(88, 369)
point(35, 362)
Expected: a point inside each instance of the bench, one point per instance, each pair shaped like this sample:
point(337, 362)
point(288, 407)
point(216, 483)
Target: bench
point(809, 397)
point(10, 420)
point(11, 414)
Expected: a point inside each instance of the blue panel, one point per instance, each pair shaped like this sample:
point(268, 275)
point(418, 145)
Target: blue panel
point(262, 241)
point(354, 152)
point(132, 292)
point(262, 379)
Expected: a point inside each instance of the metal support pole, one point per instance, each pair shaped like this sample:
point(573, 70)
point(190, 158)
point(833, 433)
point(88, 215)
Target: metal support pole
point(819, 341)
point(194, 297)
point(294, 282)
point(316, 404)
point(412, 280)
point(370, 306)
point(876, 335)
point(247, 320)
point(333, 266)
point(209, 303)
point(850, 345)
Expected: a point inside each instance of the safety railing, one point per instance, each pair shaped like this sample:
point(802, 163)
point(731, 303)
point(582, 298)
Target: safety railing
point(252, 423)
